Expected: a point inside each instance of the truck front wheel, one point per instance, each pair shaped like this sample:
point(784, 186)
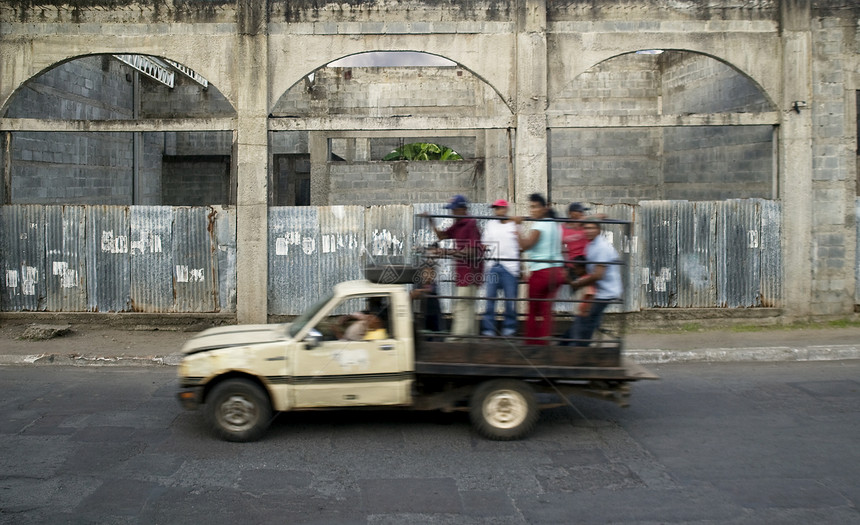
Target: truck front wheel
point(503, 409)
point(238, 410)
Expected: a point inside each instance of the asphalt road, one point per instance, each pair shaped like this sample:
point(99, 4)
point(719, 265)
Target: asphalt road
point(719, 443)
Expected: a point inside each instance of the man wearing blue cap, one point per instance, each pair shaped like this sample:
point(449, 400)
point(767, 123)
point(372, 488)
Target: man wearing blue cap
point(467, 253)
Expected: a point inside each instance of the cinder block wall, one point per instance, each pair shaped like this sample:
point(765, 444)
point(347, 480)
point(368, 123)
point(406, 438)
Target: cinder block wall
point(606, 165)
point(88, 88)
point(717, 162)
point(370, 183)
point(71, 168)
point(186, 99)
point(632, 164)
point(81, 168)
point(195, 181)
point(694, 83)
point(626, 85)
point(834, 161)
point(378, 91)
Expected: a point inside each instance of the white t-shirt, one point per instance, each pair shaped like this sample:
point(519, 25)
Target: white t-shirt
point(500, 239)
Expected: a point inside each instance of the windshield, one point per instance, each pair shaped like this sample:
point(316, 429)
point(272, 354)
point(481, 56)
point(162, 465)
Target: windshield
point(303, 319)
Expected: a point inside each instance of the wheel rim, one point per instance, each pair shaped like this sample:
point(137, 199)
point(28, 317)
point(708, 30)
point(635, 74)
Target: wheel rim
point(237, 413)
point(505, 409)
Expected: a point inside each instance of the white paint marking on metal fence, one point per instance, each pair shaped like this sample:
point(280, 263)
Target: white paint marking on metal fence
point(196, 275)
point(11, 278)
point(147, 240)
point(69, 279)
point(181, 273)
point(281, 246)
point(666, 274)
point(29, 276)
point(114, 243)
point(309, 245)
point(59, 267)
point(753, 237)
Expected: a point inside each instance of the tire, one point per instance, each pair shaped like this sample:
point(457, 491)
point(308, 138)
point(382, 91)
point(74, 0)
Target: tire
point(503, 409)
point(238, 410)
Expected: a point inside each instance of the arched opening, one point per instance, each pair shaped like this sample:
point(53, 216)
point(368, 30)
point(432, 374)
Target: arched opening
point(356, 110)
point(124, 130)
point(663, 125)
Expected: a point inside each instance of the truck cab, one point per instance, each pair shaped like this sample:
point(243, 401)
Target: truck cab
point(311, 362)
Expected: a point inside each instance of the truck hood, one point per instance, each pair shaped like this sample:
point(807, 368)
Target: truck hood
point(238, 335)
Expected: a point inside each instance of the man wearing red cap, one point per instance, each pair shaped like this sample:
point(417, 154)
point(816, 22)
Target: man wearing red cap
point(501, 241)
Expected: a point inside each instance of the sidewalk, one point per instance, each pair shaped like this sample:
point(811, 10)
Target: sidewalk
point(89, 344)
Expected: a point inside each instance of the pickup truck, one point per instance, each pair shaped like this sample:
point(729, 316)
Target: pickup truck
point(241, 375)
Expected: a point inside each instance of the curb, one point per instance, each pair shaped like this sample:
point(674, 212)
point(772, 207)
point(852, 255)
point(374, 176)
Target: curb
point(89, 360)
point(642, 357)
point(745, 355)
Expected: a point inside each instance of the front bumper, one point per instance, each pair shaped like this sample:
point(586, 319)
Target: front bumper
point(190, 397)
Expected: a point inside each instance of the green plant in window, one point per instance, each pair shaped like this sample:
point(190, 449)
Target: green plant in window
point(423, 151)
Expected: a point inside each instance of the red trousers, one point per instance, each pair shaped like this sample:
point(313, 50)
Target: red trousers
point(543, 284)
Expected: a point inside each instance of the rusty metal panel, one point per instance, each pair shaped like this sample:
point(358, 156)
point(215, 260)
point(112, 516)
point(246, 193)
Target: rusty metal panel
point(150, 243)
point(108, 259)
point(22, 241)
point(195, 270)
point(225, 238)
point(65, 258)
point(696, 270)
point(294, 276)
point(659, 233)
point(771, 254)
point(738, 259)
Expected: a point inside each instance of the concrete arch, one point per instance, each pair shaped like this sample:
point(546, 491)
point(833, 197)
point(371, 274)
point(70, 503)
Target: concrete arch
point(7, 103)
point(479, 55)
point(278, 98)
point(23, 60)
point(761, 89)
point(739, 50)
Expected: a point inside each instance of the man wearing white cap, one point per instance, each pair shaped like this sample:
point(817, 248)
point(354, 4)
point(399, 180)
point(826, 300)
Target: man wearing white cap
point(500, 240)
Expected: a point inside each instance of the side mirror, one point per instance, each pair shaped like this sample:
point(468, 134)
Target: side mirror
point(313, 339)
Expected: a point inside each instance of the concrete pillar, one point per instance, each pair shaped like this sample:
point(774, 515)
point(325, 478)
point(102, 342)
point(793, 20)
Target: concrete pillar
point(497, 165)
point(795, 159)
point(530, 163)
point(320, 181)
point(251, 73)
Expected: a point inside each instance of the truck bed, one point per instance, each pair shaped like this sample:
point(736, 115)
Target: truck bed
point(503, 358)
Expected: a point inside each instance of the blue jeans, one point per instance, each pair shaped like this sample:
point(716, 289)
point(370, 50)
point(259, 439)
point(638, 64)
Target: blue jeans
point(583, 327)
point(499, 277)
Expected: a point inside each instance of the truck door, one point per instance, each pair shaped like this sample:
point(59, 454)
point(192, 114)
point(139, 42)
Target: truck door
point(358, 361)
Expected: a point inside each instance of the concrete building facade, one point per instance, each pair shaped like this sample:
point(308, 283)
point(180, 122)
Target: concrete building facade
point(747, 99)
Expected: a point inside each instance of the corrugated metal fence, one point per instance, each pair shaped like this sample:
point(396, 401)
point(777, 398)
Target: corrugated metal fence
point(180, 259)
point(682, 254)
point(117, 258)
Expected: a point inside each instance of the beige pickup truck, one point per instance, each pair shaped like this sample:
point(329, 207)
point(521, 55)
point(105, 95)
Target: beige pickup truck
point(240, 375)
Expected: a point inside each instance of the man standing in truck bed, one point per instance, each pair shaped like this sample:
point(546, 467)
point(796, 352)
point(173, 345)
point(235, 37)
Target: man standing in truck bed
point(600, 259)
point(468, 254)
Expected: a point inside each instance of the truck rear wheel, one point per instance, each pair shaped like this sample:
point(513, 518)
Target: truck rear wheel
point(238, 410)
point(503, 409)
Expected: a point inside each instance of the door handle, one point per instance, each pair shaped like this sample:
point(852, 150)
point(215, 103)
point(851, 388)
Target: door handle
point(386, 347)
